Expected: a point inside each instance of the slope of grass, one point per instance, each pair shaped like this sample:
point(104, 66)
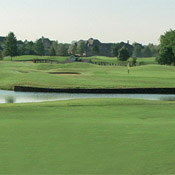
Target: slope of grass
point(32, 57)
point(115, 136)
point(114, 60)
point(91, 76)
point(97, 59)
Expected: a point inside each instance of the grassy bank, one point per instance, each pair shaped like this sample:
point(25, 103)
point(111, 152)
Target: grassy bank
point(97, 59)
point(32, 57)
point(115, 136)
point(89, 75)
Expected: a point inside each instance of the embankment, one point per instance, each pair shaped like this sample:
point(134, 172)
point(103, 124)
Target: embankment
point(99, 91)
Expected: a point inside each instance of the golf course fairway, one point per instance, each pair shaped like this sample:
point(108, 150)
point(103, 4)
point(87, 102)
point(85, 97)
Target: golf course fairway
point(84, 75)
point(94, 136)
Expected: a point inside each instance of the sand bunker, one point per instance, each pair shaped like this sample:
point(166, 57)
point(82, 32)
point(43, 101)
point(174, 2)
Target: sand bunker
point(65, 73)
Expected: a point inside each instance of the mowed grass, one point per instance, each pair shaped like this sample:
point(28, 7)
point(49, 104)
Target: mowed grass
point(90, 75)
point(33, 57)
point(97, 136)
point(114, 60)
point(97, 59)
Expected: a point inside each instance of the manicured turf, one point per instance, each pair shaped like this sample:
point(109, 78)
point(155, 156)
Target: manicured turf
point(90, 75)
point(32, 57)
point(97, 59)
point(143, 61)
point(104, 136)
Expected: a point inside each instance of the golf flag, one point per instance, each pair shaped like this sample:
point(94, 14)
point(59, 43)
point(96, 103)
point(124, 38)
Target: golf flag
point(128, 66)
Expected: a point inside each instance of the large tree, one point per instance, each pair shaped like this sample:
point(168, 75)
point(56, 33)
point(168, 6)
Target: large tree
point(53, 48)
point(154, 49)
point(52, 51)
point(59, 49)
point(62, 49)
point(0, 55)
point(137, 51)
point(166, 56)
point(167, 48)
point(114, 49)
point(10, 45)
point(80, 50)
point(29, 48)
point(72, 49)
point(96, 50)
point(38, 48)
point(123, 54)
point(146, 52)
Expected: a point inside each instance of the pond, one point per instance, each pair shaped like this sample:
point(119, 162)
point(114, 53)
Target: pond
point(27, 97)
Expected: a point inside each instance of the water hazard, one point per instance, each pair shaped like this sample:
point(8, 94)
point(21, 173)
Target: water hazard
point(27, 97)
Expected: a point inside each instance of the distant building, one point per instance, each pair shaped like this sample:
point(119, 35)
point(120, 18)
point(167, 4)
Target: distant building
point(95, 47)
point(47, 44)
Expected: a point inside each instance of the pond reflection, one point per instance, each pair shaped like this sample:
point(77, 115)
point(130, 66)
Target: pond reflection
point(27, 97)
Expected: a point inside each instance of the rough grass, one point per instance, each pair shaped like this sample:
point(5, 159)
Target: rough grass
point(115, 136)
point(91, 76)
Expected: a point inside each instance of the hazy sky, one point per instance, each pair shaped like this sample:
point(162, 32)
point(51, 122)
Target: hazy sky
point(107, 20)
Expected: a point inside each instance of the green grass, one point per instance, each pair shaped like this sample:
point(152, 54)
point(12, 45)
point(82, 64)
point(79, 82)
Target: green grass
point(115, 136)
point(114, 60)
point(32, 57)
point(91, 76)
point(146, 61)
point(97, 59)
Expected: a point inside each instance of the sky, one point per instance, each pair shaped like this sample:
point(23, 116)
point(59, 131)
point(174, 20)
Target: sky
point(71, 20)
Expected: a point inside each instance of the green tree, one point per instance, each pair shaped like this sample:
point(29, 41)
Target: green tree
point(96, 50)
point(72, 49)
point(137, 51)
point(114, 49)
point(80, 50)
point(29, 48)
point(166, 56)
point(52, 51)
point(154, 49)
point(0, 55)
point(167, 48)
point(123, 54)
point(38, 48)
point(146, 52)
point(59, 49)
point(21, 48)
point(10, 45)
point(134, 61)
point(62, 50)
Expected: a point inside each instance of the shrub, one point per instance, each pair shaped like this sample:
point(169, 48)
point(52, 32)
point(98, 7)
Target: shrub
point(133, 61)
point(123, 54)
point(167, 48)
point(10, 99)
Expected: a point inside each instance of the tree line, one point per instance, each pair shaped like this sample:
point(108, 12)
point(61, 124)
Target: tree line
point(138, 50)
point(12, 47)
point(164, 53)
point(167, 48)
